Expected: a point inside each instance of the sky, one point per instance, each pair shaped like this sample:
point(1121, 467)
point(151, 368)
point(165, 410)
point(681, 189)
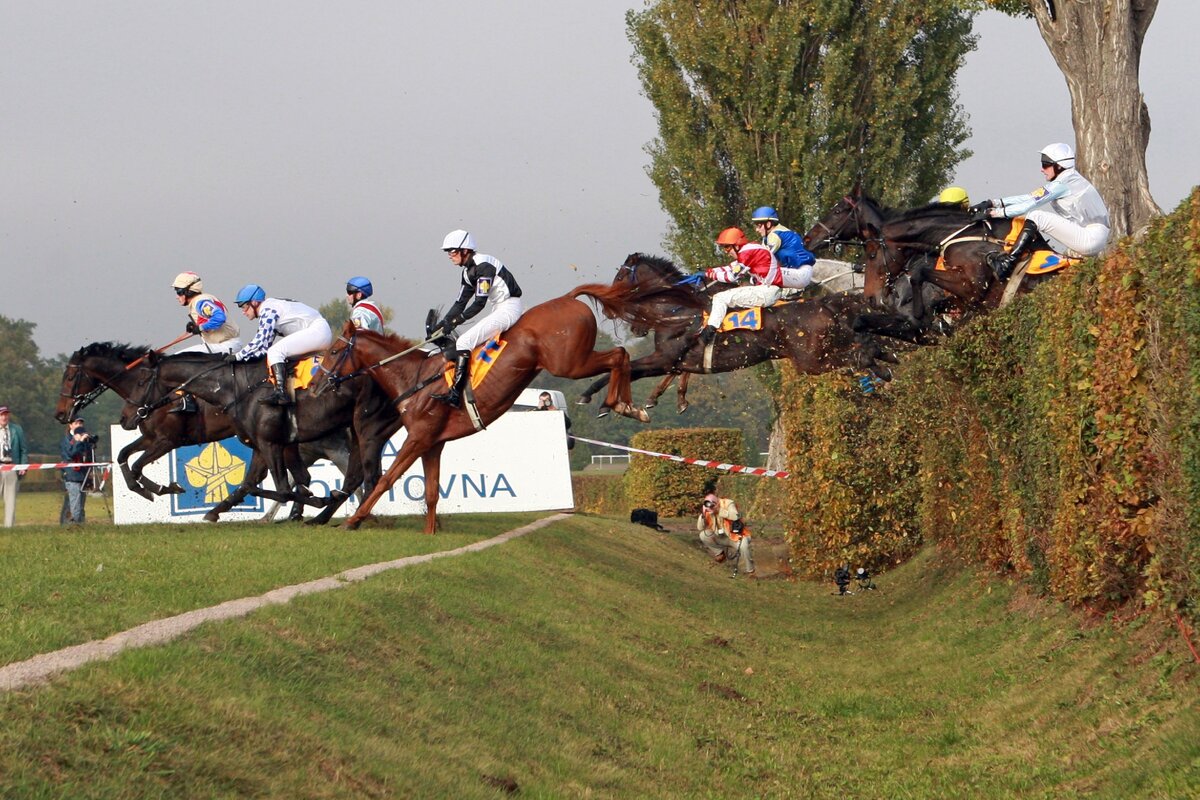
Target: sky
point(296, 144)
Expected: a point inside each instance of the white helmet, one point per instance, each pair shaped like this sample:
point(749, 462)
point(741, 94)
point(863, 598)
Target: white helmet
point(188, 281)
point(1059, 153)
point(458, 240)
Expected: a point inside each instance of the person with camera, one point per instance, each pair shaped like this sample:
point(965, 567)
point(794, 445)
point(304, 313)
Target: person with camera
point(724, 534)
point(77, 447)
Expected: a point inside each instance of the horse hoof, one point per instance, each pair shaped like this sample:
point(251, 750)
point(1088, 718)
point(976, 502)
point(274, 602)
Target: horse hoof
point(174, 488)
point(683, 407)
point(584, 400)
point(603, 412)
point(351, 524)
point(651, 403)
point(212, 516)
point(640, 415)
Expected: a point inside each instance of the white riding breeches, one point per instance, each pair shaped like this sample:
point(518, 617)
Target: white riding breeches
point(796, 277)
point(503, 317)
point(740, 297)
point(227, 346)
point(1069, 237)
point(313, 339)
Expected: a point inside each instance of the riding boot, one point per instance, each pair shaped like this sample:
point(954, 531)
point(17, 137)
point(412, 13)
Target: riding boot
point(279, 395)
point(1005, 263)
point(707, 334)
point(187, 405)
point(462, 360)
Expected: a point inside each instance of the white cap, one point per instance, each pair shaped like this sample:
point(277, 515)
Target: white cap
point(458, 240)
point(188, 280)
point(1061, 154)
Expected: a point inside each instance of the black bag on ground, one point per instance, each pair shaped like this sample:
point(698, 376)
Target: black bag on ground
point(644, 516)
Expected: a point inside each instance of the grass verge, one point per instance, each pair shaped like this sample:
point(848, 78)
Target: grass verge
point(594, 658)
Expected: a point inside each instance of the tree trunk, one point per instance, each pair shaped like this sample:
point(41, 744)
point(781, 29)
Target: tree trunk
point(1098, 46)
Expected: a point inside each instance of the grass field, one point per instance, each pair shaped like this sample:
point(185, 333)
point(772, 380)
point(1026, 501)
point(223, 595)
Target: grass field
point(588, 659)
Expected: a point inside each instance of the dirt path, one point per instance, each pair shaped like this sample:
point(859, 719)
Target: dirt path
point(40, 668)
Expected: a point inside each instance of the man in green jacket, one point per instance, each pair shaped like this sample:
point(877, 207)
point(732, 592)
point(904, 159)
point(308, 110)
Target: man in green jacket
point(12, 451)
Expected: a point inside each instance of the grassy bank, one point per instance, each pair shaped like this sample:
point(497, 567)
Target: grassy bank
point(594, 658)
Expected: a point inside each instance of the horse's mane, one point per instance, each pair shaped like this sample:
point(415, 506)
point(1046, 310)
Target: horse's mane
point(121, 352)
point(663, 267)
point(392, 339)
point(950, 212)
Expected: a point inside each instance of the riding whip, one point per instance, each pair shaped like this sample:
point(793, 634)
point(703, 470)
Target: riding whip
point(177, 340)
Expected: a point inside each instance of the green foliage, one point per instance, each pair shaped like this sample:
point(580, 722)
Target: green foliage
point(1057, 440)
point(600, 494)
point(669, 487)
point(784, 102)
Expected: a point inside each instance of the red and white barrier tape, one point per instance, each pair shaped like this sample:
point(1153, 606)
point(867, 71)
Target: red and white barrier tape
point(59, 465)
point(697, 462)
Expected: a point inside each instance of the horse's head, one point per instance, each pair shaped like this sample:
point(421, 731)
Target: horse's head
point(648, 272)
point(844, 222)
point(90, 371)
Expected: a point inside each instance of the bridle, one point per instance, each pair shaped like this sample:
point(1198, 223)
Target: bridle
point(836, 237)
point(333, 376)
point(81, 400)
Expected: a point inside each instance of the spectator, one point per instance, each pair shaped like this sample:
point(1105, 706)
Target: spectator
point(76, 447)
point(841, 576)
point(12, 451)
point(724, 535)
point(545, 402)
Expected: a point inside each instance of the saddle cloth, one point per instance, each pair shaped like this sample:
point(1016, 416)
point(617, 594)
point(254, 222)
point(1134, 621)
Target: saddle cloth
point(482, 359)
point(303, 373)
point(744, 319)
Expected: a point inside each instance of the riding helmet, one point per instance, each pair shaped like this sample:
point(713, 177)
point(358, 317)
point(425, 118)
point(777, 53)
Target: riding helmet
point(188, 281)
point(458, 240)
point(250, 293)
point(955, 195)
point(1059, 153)
point(733, 236)
point(764, 214)
point(359, 284)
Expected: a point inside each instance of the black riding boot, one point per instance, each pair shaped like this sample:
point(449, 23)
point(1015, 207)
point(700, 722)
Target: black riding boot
point(187, 405)
point(279, 396)
point(1005, 263)
point(462, 360)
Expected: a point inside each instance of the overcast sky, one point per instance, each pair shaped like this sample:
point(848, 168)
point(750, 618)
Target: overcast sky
point(297, 143)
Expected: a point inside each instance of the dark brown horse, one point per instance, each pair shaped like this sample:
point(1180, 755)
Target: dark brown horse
point(815, 334)
point(558, 336)
point(909, 242)
point(125, 370)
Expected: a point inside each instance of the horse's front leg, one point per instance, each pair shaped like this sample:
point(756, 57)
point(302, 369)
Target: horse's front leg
point(408, 453)
point(681, 392)
point(652, 400)
point(431, 461)
point(254, 475)
point(591, 390)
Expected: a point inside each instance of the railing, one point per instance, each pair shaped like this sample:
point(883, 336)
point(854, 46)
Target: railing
point(610, 459)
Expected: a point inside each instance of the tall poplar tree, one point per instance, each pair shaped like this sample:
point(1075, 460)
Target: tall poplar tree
point(789, 102)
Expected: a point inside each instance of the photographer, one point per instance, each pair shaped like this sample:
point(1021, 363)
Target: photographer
point(77, 446)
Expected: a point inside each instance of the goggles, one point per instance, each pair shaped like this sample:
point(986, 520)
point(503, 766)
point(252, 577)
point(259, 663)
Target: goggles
point(182, 291)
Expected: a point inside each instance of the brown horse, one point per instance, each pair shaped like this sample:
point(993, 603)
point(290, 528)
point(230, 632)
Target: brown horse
point(816, 334)
point(557, 336)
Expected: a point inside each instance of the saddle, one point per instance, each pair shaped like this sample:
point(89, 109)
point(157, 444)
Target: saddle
point(301, 374)
point(1039, 262)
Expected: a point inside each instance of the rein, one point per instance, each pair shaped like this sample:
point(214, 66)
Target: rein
point(333, 377)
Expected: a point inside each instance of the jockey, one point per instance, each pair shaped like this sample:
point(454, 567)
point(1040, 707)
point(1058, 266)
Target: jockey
point(786, 244)
point(1067, 210)
point(484, 281)
point(954, 195)
point(285, 328)
point(363, 314)
point(751, 259)
point(208, 318)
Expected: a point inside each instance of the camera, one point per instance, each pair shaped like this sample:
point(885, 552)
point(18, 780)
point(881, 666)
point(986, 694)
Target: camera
point(89, 438)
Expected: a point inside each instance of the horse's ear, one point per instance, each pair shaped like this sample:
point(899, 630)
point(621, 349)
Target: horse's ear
point(632, 259)
point(348, 328)
point(152, 357)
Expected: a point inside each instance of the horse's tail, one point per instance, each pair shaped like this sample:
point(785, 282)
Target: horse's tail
point(613, 298)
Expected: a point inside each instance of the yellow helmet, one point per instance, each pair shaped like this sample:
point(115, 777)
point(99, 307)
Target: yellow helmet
point(187, 282)
point(954, 194)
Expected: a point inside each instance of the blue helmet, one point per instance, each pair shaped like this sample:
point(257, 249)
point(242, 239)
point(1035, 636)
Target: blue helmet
point(359, 284)
point(764, 214)
point(250, 293)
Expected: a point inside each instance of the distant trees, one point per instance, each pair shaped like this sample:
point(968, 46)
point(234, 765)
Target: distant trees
point(1098, 47)
point(787, 102)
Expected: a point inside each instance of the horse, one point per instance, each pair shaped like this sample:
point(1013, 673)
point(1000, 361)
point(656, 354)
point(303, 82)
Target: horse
point(275, 432)
point(814, 333)
point(124, 369)
point(558, 335)
point(911, 242)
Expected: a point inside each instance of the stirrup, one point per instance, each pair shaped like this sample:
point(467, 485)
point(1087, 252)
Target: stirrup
point(452, 398)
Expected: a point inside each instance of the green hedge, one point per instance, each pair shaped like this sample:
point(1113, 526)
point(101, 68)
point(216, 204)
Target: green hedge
point(669, 487)
point(1057, 439)
point(600, 494)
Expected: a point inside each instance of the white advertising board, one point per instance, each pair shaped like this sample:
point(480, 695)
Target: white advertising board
point(518, 464)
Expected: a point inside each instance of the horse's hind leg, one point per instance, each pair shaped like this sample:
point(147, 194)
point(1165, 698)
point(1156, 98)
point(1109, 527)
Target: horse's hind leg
point(652, 400)
point(681, 391)
point(133, 477)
